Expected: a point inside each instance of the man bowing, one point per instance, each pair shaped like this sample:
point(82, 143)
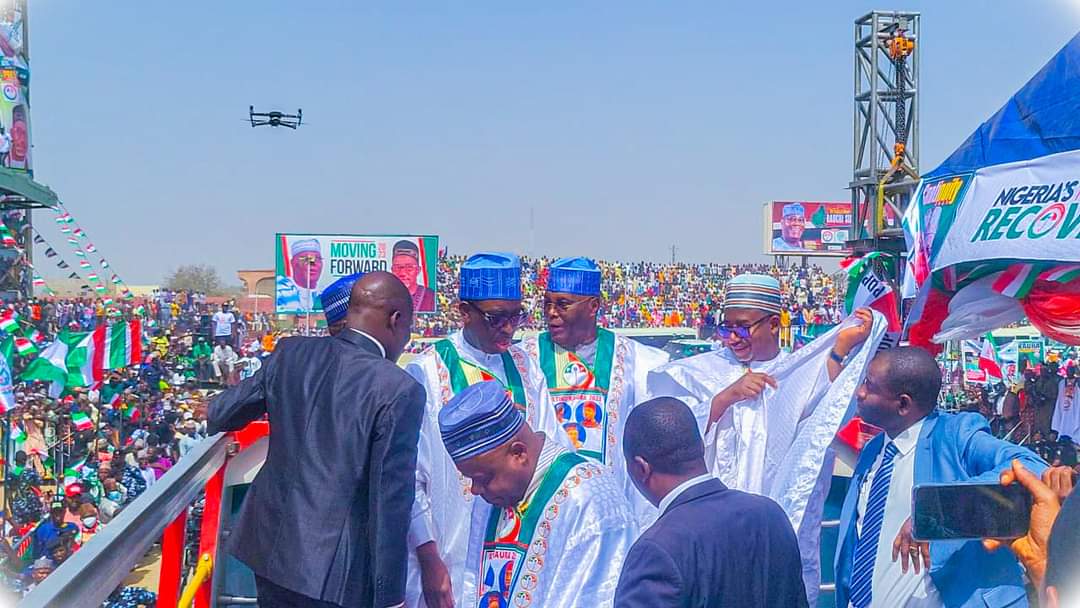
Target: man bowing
point(553, 528)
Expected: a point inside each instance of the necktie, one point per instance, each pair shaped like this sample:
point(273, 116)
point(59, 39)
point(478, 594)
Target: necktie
point(862, 569)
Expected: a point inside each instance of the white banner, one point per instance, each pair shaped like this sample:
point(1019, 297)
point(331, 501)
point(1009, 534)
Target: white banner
point(1026, 210)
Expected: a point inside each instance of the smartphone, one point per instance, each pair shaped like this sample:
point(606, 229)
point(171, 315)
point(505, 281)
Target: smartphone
point(969, 511)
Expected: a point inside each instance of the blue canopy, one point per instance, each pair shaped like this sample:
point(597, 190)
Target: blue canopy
point(1042, 118)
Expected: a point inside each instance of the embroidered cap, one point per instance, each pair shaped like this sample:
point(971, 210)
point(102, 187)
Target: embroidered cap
point(757, 291)
point(579, 276)
point(794, 209)
point(305, 246)
point(335, 298)
point(491, 276)
point(407, 248)
point(477, 420)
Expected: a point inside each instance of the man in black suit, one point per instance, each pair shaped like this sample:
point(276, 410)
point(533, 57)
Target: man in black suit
point(711, 546)
point(325, 520)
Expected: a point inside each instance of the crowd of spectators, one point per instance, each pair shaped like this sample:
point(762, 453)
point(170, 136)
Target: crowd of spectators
point(648, 294)
point(75, 459)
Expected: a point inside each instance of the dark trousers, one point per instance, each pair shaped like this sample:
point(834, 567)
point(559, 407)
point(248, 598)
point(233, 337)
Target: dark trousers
point(275, 596)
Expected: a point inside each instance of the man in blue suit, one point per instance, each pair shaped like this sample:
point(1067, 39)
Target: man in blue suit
point(919, 445)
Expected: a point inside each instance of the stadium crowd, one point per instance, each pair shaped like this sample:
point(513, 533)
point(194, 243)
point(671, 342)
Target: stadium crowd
point(649, 294)
point(76, 456)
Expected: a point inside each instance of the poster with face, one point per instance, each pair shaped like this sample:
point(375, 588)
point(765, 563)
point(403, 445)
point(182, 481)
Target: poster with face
point(14, 88)
point(805, 228)
point(307, 263)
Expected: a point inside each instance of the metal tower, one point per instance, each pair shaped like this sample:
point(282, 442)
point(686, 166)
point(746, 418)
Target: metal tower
point(886, 138)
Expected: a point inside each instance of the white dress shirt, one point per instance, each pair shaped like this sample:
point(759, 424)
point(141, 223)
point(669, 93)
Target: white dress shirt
point(382, 349)
point(682, 487)
point(890, 586)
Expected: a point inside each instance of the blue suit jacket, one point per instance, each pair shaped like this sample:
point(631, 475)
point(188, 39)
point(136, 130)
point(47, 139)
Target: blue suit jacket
point(951, 448)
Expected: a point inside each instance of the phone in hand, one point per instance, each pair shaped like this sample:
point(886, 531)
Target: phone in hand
point(970, 511)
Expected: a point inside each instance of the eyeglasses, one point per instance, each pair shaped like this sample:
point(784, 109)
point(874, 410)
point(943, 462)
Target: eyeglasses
point(742, 331)
point(495, 321)
point(562, 305)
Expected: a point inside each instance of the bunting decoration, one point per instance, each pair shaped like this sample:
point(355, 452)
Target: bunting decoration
point(66, 220)
point(50, 252)
point(39, 240)
point(63, 265)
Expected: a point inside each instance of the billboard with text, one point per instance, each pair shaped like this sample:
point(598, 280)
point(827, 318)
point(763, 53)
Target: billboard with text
point(14, 87)
point(305, 264)
point(807, 228)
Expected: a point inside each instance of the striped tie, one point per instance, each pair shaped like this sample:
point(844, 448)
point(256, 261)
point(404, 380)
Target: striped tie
point(862, 569)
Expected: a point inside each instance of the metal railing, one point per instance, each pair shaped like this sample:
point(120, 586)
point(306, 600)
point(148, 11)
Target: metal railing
point(90, 575)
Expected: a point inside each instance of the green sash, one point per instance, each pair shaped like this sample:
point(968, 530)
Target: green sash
point(505, 550)
point(579, 392)
point(464, 373)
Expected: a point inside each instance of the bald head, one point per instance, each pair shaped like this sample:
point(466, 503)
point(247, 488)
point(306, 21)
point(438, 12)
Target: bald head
point(379, 290)
point(380, 305)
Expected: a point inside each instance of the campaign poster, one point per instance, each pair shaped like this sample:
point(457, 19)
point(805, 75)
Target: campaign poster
point(1030, 351)
point(806, 228)
point(305, 264)
point(14, 87)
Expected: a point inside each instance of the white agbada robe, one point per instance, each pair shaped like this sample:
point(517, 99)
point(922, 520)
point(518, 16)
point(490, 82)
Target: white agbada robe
point(1066, 419)
point(576, 554)
point(632, 362)
point(443, 502)
point(776, 445)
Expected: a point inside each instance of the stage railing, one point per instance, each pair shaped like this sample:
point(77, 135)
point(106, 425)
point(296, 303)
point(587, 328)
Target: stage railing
point(88, 577)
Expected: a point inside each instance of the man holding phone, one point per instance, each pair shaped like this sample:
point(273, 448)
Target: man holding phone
point(919, 446)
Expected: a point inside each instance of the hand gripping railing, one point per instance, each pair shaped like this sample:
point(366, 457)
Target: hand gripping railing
point(94, 571)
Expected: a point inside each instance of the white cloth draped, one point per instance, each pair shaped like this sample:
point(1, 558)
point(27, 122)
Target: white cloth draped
point(1066, 419)
point(776, 445)
point(591, 533)
point(629, 372)
point(443, 501)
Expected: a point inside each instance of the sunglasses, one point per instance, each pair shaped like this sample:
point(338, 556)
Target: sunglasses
point(725, 332)
point(495, 321)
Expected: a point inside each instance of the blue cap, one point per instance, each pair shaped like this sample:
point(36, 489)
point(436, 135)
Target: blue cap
point(491, 276)
point(478, 419)
point(579, 276)
point(794, 209)
point(335, 298)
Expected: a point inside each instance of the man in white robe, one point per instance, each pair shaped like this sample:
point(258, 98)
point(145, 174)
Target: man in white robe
point(553, 527)
point(1067, 410)
point(768, 418)
point(594, 376)
point(490, 306)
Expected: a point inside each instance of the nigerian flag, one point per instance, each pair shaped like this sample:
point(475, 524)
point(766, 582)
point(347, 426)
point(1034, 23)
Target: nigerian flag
point(81, 358)
point(61, 363)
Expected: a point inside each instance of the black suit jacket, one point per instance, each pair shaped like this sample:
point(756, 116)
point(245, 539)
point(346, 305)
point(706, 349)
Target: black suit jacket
point(717, 548)
point(327, 515)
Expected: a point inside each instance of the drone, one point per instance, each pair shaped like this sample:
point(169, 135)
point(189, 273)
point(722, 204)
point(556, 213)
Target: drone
point(274, 119)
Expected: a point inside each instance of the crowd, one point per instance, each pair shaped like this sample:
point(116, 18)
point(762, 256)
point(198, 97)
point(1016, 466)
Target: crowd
point(76, 458)
point(648, 294)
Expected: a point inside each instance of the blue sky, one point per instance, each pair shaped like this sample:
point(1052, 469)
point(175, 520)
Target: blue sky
point(627, 127)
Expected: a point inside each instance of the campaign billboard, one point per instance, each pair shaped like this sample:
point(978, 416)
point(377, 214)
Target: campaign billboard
point(807, 228)
point(14, 87)
point(305, 264)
